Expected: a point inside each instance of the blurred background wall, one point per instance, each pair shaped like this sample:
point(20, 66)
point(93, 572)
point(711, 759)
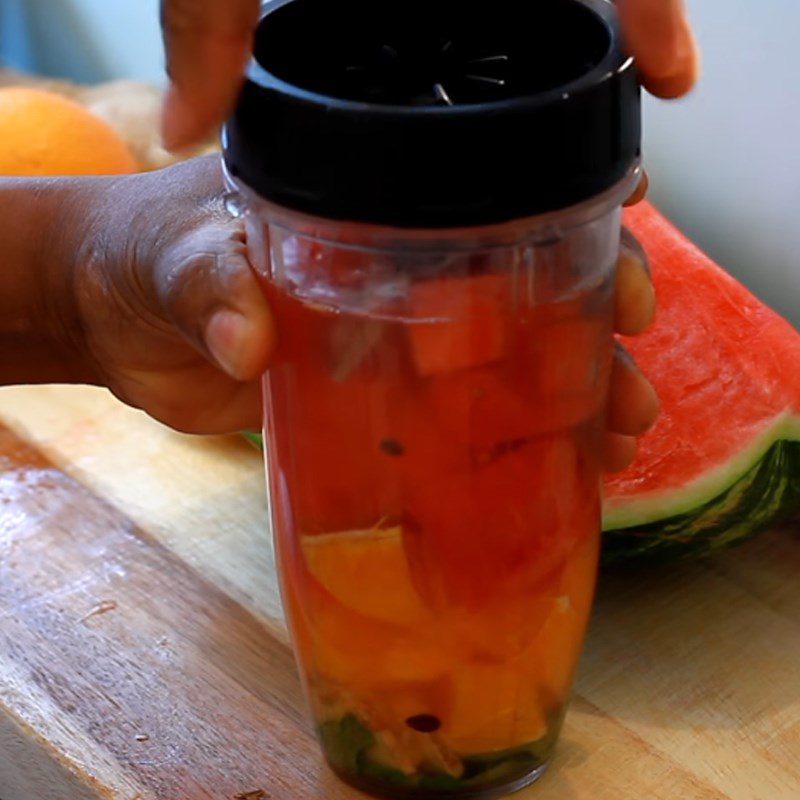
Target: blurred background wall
point(85, 40)
point(724, 163)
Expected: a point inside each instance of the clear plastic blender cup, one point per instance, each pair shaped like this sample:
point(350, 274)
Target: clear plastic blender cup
point(432, 198)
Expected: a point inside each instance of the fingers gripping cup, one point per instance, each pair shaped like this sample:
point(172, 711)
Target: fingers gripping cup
point(432, 191)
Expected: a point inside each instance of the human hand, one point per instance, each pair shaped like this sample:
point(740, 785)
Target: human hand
point(658, 35)
point(170, 316)
point(208, 43)
point(169, 313)
point(633, 403)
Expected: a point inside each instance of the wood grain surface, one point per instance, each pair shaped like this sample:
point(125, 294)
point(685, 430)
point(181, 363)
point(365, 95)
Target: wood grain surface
point(143, 654)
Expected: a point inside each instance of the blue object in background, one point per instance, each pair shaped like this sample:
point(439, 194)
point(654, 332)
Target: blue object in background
point(83, 40)
point(16, 47)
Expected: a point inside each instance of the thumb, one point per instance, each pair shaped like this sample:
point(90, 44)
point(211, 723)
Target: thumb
point(208, 289)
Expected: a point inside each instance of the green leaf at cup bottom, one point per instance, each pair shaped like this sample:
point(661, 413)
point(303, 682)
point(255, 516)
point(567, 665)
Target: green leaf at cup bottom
point(347, 743)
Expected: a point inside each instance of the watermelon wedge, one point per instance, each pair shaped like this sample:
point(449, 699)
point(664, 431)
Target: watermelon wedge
point(723, 459)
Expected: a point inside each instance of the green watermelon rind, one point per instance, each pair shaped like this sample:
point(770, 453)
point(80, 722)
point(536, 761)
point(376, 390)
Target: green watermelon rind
point(766, 494)
point(254, 438)
point(657, 507)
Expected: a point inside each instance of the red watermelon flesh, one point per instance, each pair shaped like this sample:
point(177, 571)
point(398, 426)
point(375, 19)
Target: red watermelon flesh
point(727, 372)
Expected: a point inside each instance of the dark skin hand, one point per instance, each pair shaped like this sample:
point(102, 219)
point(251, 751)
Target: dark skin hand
point(170, 308)
point(208, 43)
point(171, 316)
point(141, 283)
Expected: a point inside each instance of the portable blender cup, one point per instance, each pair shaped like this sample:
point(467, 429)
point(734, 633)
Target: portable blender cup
point(432, 191)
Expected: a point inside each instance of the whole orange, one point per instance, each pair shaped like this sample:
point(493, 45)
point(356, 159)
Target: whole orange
point(42, 133)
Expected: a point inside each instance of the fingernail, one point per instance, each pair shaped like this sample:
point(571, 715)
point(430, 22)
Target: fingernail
point(178, 122)
point(226, 338)
point(683, 66)
point(631, 248)
point(635, 301)
point(640, 192)
point(624, 357)
point(671, 87)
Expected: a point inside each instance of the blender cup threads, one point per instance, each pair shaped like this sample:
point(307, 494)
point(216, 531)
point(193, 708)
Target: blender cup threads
point(431, 192)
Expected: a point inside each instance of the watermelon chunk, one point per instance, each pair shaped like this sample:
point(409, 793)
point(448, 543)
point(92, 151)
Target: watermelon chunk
point(723, 459)
point(460, 323)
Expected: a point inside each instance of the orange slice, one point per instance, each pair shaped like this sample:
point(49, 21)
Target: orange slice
point(367, 572)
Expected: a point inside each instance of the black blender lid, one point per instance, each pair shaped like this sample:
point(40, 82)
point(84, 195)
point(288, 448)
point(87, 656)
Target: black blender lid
point(435, 113)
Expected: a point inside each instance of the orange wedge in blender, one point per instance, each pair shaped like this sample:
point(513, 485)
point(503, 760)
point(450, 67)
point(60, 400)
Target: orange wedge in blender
point(365, 653)
point(493, 708)
point(558, 645)
point(367, 572)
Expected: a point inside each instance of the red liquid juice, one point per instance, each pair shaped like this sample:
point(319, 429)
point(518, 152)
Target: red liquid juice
point(435, 484)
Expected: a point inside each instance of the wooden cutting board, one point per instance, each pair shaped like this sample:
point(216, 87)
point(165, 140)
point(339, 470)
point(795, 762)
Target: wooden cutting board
point(143, 654)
